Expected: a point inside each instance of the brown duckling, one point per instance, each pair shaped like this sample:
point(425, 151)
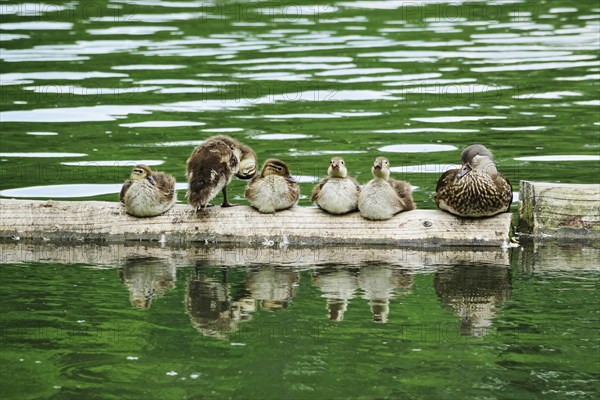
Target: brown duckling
point(383, 197)
point(475, 190)
point(147, 193)
point(336, 193)
point(211, 167)
point(273, 189)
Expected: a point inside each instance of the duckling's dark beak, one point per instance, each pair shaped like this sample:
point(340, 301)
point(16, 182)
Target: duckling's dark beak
point(465, 170)
point(335, 165)
point(377, 165)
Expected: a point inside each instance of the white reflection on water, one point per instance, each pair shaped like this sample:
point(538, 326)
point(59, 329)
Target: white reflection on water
point(63, 191)
point(441, 120)
point(181, 143)
point(281, 136)
point(560, 158)
point(42, 155)
point(162, 124)
point(7, 37)
point(147, 67)
point(303, 60)
point(131, 30)
point(518, 128)
point(112, 163)
point(300, 153)
point(547, 95)
point(43, 133)
point(57, 75)
point(222, 130)
point(36, 26)
point(426, 130)
point(424, 168)
point(416, 148)
point(536, 66)
point(588, 77)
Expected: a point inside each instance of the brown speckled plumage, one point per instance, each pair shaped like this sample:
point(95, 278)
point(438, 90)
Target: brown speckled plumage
point(147, 193)
point(273, 189)
point(475, 190)
point(212, 165)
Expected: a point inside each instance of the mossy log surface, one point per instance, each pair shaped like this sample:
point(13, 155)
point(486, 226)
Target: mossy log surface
point(299, 226)
point(563, 211)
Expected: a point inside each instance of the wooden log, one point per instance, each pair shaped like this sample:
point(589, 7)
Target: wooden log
point(105, 255)
point(559, 210)
point(299, 226)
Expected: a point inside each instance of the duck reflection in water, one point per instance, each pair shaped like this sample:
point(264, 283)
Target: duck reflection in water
point(473, 293)
point(212, 308)
point(380, 284)
point(273, 286)
point(338, 286)
point(147, 278)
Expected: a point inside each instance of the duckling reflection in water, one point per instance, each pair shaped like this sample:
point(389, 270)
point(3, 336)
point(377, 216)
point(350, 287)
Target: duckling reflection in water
point(147, 193)
point(336, 193)
point(211, 167)
point(273, 287)
point(382, 197)
point(338, 286)
point(273, 189)
point(212, 309)
point(380, 284)
point(473, 293)
point(475, 190)
point(147, 278)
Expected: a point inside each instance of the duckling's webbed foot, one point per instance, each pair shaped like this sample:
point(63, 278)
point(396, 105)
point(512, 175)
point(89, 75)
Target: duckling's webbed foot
point(226, 203)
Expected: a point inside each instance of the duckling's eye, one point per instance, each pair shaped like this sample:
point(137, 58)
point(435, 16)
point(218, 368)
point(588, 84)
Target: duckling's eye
point(279, 168)
point(138, 171)
point(342, 162)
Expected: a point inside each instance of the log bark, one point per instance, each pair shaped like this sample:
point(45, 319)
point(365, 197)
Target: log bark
point(559, 210)
point(299, 226)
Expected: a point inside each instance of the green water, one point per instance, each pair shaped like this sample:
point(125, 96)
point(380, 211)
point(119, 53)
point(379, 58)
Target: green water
point(91, 88)
point(520, 330)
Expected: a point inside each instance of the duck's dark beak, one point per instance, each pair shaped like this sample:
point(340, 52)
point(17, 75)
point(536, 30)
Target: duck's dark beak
point(466, 168)
point(377, 165)
point(335, 165)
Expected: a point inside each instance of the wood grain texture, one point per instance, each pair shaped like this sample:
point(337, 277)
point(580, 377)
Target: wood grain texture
point(559, 210)
point(301, 226)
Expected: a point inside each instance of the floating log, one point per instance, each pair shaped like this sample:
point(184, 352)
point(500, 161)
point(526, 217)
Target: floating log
point(559, 210)
point(299, 226)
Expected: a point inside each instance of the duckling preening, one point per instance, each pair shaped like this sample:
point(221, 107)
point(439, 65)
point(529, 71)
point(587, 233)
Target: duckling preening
point(382, 197)
point(211, 167)
point(336, 193)
point(477, 189)
point(274, 188)
point(147, 193)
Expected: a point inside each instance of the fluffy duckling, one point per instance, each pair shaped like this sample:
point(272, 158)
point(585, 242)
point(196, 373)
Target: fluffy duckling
point(383, 197)
point(475, 190)
point(211, 167)
point(273, 189)
point(336, 193)
point(147, 193)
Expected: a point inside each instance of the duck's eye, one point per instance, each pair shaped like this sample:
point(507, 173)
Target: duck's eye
point(279, 168)
point(138, 171)
point(342, 162)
